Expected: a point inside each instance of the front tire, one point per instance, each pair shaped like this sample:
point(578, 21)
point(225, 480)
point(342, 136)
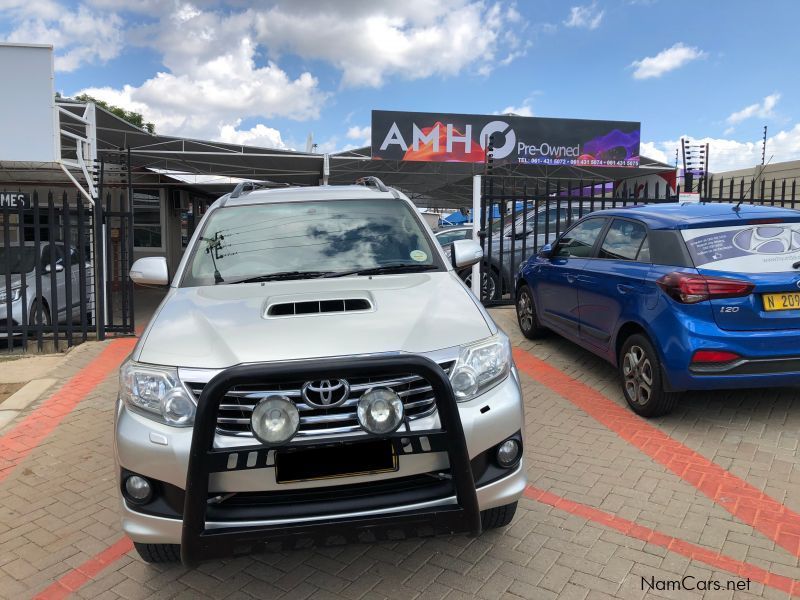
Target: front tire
point(158, 553)
point(642, 380)
point(528, 322)
point(499, 516)
point(490, 284)
point(34, 317)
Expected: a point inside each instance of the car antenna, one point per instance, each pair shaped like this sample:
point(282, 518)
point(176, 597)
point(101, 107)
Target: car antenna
point(750, 189)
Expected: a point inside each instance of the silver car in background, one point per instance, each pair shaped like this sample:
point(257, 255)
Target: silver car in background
point(509, 245)
point(49, 305)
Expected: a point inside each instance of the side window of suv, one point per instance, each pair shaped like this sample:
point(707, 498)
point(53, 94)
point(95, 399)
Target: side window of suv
point(626, 240)
point(579, 241)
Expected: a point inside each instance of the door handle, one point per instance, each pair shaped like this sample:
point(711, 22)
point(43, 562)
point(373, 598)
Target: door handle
point(625, 289)
point(570, 277)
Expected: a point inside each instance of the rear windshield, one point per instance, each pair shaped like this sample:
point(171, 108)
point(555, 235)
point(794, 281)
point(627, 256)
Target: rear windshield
point(771, 248)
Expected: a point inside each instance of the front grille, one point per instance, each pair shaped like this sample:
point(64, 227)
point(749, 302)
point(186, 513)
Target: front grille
point(233, 417)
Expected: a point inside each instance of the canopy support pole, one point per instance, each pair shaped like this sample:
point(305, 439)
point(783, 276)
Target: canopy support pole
point(476, 227)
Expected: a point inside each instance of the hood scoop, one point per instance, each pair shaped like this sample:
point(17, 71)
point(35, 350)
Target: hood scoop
point(283, 307)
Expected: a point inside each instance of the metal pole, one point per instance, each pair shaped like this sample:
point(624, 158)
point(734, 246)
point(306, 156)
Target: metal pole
point(476, 226)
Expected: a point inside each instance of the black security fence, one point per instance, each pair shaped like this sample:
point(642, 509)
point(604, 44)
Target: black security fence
point(47, 278)
point(519, 215)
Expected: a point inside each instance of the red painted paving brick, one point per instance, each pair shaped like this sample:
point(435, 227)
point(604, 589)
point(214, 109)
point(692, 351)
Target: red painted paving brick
point(21, 439)
point(687, 549)
point(745, 502)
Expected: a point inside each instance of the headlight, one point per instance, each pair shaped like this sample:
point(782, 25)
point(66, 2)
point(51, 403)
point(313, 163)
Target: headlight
point(16, 293)
point(157, 393)
point(480, 367)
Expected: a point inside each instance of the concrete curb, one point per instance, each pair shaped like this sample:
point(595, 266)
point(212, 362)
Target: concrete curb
point(22, 398)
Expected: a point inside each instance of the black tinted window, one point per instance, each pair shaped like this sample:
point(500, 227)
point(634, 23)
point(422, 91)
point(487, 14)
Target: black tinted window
point(452, 236)
point(579, 241)
point(624, 241)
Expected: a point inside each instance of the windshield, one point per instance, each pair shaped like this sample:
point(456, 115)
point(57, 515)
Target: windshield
point(318, 238)
point(767, 248)
point(17, 259)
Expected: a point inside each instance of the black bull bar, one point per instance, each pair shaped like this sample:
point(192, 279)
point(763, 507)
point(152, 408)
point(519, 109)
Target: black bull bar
point(199, 543)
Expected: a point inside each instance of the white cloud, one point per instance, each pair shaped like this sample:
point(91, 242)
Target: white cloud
point(586, 17)
point(665, 61)
point(413, 39)
point(728, 154)
point(260, 135)
point(363, 135)
point(523, 110)
point(79, 37)
point(213, 84)
point(763, 109)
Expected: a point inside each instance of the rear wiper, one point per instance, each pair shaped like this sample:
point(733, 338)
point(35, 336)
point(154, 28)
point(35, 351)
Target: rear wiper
point(385, 269)
point(283, 275)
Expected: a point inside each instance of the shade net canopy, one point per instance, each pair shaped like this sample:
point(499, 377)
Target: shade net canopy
point(216, 167)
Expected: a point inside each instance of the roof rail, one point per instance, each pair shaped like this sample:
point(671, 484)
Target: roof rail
point(246, 186)
point(372, 181)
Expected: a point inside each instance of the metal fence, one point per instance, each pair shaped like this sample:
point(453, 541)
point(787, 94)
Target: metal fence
point(46, 276)
point(534, 212)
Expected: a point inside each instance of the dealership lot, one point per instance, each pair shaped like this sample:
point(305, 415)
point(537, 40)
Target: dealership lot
point(605, 508)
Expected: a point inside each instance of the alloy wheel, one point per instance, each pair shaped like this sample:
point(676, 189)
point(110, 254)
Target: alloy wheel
point(488, 287)
point(525, 310)
point(638, 373)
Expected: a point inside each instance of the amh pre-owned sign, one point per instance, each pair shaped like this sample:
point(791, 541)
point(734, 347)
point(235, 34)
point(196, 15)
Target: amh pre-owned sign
point(417, 136)
point(15, 199)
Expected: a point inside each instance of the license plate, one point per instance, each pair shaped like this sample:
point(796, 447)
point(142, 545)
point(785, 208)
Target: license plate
point(789, 301)
point(335, 460)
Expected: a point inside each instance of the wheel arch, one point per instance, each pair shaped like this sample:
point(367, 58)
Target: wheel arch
point(629, 328)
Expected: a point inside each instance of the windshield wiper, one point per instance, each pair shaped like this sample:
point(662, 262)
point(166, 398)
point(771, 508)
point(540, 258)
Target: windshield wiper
point(283, 275)
point(385, 269)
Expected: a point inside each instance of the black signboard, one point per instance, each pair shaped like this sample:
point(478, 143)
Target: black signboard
point(415, 136)
point(15, 199)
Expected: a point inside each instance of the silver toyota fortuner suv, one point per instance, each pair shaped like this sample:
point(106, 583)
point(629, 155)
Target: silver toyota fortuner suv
point(316, 369)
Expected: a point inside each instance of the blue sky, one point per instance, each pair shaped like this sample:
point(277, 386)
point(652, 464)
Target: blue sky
point(270, 73)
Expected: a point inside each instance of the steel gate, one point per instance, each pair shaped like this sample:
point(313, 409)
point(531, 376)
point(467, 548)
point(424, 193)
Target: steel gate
point(114, 218)
point(47, 298)
point(519, 215)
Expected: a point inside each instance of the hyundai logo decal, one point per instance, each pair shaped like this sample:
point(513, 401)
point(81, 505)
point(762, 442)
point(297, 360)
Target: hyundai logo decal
point(325, 393)
point(768, 239)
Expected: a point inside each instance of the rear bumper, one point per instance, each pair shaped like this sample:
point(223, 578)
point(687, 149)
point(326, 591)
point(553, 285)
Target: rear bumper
point(769, 358)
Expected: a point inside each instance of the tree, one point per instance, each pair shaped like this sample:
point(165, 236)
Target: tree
point(132, 117)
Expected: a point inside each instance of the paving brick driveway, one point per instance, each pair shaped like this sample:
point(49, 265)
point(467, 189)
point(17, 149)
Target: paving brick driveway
point(58, 509)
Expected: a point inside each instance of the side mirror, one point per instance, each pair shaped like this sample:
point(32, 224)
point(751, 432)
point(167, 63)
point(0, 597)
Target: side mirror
point(465, 253)
point(546, 251)
point(151, 270)
point(59, 268)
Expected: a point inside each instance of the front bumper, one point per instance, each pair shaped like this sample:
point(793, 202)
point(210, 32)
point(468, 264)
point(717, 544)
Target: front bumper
point(163, 453)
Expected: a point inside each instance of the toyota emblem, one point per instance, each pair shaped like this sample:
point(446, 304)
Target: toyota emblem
point(325, 393)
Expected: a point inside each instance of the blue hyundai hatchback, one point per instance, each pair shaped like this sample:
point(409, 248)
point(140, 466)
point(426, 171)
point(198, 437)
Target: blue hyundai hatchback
point(678, 297)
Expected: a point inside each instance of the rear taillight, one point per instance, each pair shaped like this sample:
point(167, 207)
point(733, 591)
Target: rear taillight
point(689, 288)
point(714, 356)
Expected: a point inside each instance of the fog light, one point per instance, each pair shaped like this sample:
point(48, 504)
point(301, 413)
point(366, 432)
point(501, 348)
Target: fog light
point(380, 410)
point(275, 420)
point(138, 489)
point(508, 453)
